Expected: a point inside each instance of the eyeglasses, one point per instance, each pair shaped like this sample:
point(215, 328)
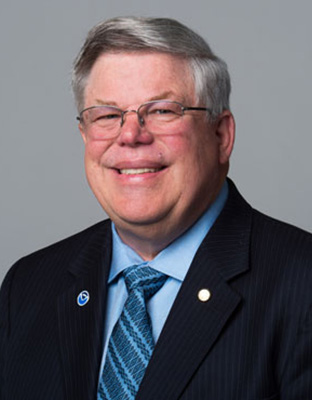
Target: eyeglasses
point(156, 116)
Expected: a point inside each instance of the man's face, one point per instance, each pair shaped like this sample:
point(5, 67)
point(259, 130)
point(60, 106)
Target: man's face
point(186, 166)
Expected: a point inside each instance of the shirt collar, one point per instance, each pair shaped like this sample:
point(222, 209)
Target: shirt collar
point(175, 259)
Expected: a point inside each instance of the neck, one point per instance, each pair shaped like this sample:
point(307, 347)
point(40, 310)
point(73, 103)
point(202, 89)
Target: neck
point(146, 243)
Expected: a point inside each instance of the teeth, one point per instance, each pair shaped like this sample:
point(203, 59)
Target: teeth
point(137, 171)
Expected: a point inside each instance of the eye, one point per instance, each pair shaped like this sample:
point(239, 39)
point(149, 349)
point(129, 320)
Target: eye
point(108, 116)
point(105, 115)
point(163, 110)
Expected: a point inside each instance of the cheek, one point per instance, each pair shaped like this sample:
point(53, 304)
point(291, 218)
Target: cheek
point(94, 151)
point(197, 162)
point(192, 151)
point(179, 144)
point(186, 166)
point(93, 160)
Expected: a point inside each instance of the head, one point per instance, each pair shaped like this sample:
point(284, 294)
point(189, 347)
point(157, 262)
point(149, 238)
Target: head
point(154, 184)
point(160, 35)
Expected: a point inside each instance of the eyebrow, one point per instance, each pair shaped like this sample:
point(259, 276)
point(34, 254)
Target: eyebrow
point(161, 96)
point(106, 102)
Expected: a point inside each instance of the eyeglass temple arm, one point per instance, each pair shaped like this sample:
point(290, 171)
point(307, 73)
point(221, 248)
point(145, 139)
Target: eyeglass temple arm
point(197, 109)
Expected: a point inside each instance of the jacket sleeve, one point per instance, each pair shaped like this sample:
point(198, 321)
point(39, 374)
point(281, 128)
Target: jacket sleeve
point(4, 327)
point(297, 377)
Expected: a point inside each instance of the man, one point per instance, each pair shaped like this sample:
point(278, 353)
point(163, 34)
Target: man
point(228, 296)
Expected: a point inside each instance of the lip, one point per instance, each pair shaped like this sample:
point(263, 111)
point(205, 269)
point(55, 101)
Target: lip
point(138, 167)
point(150, 170)
point(138, 164)
point(139, 171)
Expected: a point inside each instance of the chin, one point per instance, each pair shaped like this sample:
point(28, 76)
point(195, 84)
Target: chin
point(139, 221)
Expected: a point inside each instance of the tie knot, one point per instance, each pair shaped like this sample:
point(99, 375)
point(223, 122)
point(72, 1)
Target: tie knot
point(144, 277)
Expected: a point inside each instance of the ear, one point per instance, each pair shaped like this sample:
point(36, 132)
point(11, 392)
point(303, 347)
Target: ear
point(83, 134)
point(225, 131)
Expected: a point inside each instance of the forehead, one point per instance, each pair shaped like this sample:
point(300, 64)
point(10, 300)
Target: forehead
point(134, 77)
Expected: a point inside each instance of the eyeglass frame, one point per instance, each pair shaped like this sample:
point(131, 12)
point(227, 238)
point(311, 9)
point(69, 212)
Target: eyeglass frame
point(140, 119)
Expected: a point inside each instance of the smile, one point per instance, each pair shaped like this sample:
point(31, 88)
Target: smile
point(137, 171)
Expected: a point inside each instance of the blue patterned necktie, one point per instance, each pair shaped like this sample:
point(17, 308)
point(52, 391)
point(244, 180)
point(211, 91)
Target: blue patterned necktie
point(131, 343)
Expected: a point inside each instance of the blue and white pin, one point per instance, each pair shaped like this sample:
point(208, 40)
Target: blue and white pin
point(83, 298)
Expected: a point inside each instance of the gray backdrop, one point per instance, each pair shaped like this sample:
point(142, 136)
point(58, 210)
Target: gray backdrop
point(44, 194)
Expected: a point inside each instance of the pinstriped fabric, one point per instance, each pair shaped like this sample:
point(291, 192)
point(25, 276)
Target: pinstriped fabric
point(52, 345)
point(251, 341)
point(131, 343)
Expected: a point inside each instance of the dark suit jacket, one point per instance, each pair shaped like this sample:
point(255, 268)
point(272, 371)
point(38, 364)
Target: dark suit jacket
point(251, 341)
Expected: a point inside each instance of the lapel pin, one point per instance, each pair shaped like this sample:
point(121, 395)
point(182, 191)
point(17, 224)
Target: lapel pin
point(204, 295)
point(83, 298)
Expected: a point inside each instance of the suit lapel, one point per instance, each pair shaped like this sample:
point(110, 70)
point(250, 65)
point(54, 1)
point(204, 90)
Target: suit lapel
point(193, 327)
point(81, 327)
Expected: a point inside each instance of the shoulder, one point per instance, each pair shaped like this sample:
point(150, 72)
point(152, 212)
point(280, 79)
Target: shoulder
point(280, 259)
point(278, 253)
point(267, 233)
point(280, 238)
point(53, 259)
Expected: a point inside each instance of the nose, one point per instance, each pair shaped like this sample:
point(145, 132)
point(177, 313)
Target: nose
point(132, 130)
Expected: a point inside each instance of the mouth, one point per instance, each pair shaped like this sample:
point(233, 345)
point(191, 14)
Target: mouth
point(138, 171)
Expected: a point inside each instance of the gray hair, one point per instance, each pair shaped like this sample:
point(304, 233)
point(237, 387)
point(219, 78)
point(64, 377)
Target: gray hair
point(164, 35)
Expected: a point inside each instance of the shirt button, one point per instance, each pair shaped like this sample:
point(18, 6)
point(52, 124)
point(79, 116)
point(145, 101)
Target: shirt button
point(204, 295)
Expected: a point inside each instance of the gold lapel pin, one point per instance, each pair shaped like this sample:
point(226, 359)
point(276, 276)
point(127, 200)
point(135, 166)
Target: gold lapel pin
point(204, 295)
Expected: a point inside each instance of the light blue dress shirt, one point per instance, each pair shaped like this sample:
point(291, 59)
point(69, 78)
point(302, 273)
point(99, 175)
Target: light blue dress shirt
point(174, 261)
